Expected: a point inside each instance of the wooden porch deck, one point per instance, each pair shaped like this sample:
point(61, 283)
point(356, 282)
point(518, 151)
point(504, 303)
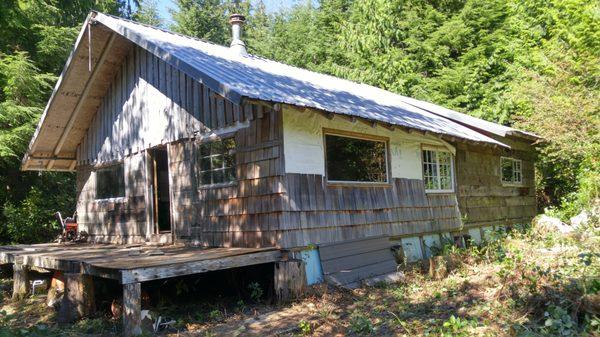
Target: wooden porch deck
point(130, 265)
point(134, 263)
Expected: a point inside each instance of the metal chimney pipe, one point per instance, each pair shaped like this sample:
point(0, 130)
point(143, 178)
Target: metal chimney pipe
point(237, 45)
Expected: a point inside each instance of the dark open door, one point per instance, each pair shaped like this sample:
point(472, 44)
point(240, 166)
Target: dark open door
point(160, 190)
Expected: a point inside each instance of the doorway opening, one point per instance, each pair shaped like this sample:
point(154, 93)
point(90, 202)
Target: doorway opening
point(161, 200)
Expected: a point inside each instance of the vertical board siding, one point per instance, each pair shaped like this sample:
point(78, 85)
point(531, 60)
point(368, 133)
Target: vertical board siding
point(483, 199)
point(150, 103)
point(118, 220)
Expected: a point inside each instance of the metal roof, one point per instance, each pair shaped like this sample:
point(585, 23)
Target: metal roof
point(478, 123)
point(237, 76)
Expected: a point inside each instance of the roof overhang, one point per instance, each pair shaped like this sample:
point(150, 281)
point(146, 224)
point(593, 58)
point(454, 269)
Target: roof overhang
point(99, 50)
point(76, 97)
point(473, 122)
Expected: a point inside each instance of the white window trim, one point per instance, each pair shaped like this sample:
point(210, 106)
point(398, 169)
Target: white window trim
point(438, 149)
point(349, 134)
point(199, 170)
point(112, 199)
point(511, 183)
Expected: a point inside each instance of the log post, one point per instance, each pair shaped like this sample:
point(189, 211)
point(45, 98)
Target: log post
point(132, 309)
point(56, 290)
point(78, 299)
point(21, 278)
point(290, 280)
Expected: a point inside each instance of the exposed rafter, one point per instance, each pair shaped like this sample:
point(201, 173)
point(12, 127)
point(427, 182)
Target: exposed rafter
point(82, 98)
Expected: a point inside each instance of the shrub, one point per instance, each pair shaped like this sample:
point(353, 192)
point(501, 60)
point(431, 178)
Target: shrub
point(360, 324)
point(456, 327)
point(558, 323)
point(256, 291)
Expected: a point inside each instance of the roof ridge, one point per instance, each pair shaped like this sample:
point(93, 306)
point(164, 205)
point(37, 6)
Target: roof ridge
point(275, 80)
point(249, 55)
point(160, 29)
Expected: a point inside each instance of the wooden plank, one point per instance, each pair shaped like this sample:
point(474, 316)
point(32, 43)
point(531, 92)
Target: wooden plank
point(205, 106)
point(78, 299)
point(290, 280)
point(132, 309)
point(196, 267)
point(84, 94)
point(350, 262)
point(358, 260)
point(21, 278)
point(355, 275)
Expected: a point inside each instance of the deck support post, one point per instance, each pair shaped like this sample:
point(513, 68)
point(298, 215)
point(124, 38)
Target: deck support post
point(290, 280)
point(21, 278)
point(78, 299)
point(132, 309)
point(57, 287)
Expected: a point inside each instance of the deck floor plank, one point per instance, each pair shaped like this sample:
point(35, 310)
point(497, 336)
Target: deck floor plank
point(116, 261)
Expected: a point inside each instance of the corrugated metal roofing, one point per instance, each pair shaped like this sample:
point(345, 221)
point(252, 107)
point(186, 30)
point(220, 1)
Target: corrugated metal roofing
point(236, 76)
point(475, 122)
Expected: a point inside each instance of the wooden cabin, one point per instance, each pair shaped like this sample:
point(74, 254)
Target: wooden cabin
point(178, 140)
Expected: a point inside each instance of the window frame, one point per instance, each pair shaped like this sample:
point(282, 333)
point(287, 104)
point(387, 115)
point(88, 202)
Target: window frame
point(198, 165)
point(361, 136)
point(452, 170)
point(512, 182)
point(106, 167)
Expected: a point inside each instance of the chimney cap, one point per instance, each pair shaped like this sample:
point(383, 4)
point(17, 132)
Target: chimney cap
point(237, 18)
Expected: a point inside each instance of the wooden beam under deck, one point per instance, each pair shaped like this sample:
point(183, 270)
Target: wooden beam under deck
point(181, 269)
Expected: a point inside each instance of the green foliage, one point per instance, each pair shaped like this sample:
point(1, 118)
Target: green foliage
point(305, 327)
point(256, 291)
point(36, 38)
point(54, 46)
point(27, 223)
point(559, 323)
point(148, 13)
point(23, 89)
point(361, 324)
point(533, 64)
point(456, 327)
point(215, 315)
point(204, 19)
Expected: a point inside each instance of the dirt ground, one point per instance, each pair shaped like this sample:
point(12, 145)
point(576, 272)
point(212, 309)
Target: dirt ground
point(523, 285)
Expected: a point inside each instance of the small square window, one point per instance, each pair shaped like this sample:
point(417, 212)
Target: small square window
point(110, 182)
point(511, 170)
point(216, 161)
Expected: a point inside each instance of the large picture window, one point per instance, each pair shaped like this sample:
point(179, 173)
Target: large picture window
point(217, 162)
point(354, 159)
point(438, 171)
point(110, 182)
point(511, 170)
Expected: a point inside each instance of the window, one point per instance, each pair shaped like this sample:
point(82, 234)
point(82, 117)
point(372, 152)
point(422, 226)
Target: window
point(511, 170)
point(110, 182)
point(217, 162)
point(438, 171)
point(350, 159)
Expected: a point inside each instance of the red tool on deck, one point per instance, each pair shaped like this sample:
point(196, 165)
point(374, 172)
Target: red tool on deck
point(70, 229)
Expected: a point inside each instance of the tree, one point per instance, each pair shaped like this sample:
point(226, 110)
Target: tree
point(204, 19)
point(36, 37)
point(147, 12)
point(533, 64)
